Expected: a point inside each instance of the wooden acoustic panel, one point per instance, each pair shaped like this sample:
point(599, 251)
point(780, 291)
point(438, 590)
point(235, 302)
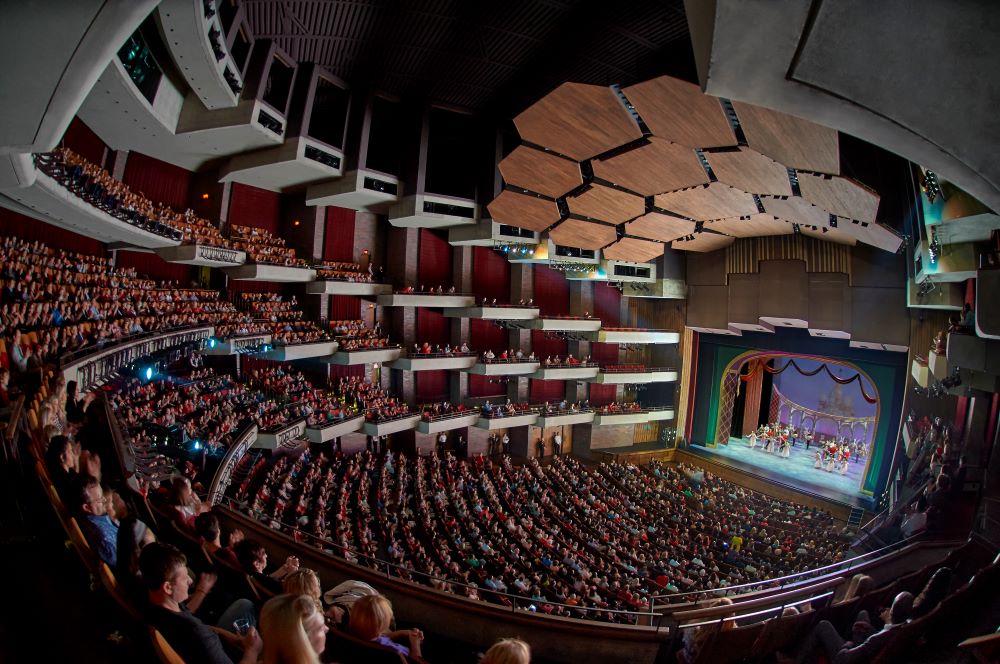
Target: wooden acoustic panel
point(523, 211)
point(796, 210)
point(606, 204)
point(789, 140)
point(654, 168)
point(540, 171)
point(841, 196)
point(658, 226)
point(828, 234)
point(713, 201)
point(631, 249)
point(578, 120)
point(754, 225)
point(703, 242)
point(680, 112)
point(583, 234)
point(750, 171)
point(874, 234)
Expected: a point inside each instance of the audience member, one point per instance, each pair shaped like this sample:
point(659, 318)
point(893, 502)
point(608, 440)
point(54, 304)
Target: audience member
point(371, 618)
point(293, 630)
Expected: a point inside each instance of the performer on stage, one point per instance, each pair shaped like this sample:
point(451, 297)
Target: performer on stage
point(752, 439)
point(819, 459)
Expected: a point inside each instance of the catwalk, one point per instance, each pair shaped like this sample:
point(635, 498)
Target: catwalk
point(797, 470)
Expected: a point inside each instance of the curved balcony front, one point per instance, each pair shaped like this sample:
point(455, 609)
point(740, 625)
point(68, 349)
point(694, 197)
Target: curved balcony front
point(435, 300)
point(202, 254)
point(566, 371)
point(564, 417)
point(560, 324)
point(302, 351)
point(296, 162)
point(504, 368)
point(395, 425)
point(433, 211)
point(237, 345)
point(494, 312)
point(339, 287)
point(608, 376)
point(448, 422)
point(363, 356)
point(434, 362)
point(332, 430)
point(269, 272)
point(521, 419)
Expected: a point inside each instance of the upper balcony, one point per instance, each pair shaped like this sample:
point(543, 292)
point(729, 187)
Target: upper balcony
point(270, 272)
point(203, 254)
point(77, 204)
point(629, 374)
point(242, 345)
point(498, 367)
point(433, 211)
point(624, 335)
point(434, 361)
point(577, 371)
point(298, 161)
point(326, 432)
point(344, 287)
point(521, 418)
point(194, 36)
point(364, 356)
point(449, 422)
point(302, 351)
point(486, 311)
point(606, 417)
point(395, 425)
point(428, 299)
point(557, 418)
point(560, 324)
point(360, 189)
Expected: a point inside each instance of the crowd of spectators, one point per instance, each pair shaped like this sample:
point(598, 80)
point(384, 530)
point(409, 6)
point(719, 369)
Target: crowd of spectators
point(446, 350)
point(262, 246)
point(361, 395)
point(620, 407)
point(510, 355)
point(282, 318)
point(339, 271)
point(424, 290)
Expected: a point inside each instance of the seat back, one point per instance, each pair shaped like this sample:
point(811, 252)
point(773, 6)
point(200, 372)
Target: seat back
point(235, 580)
point(350, 648)
point(163, 650)
point(82, 547)
point(110, 583)
point(780, 632)
point(731, 645)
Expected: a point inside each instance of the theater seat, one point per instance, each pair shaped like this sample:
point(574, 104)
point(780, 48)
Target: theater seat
point(344, 647)
point(163, 650)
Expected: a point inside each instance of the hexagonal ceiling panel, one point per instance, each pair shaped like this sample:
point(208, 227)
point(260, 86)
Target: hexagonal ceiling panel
point(792, 141)
point(754, 225)
point(523, 211)
point(606, 204)
point(703, 242)
point(828, 234)
point(633, 250)
point(680, 112)
point(751, 171)
point(654, 168)
point(540, 171)
point(713, 201)
point(658, 226)
point(583, 234)
point(841, 196)
point(578, 120)
point(796, 210)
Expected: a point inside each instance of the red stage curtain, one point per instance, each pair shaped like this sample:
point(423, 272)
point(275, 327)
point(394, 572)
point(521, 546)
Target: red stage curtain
point(551, 291)
point(601, 395)
point(484, 335)
point(607, 304)
point(544, 345)
point(338, 241)
point(490, 275)
point(157, 180)
point(547, 390)
point(434, 263)
point(344, 307)
point(155, 267)
point(432, 327)
point(604, 353)
point(26, 228)
point(431, 386)
point(82, 140)
point(335, 371)
point(250, 206)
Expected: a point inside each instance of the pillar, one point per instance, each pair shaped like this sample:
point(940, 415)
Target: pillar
point(461, 273)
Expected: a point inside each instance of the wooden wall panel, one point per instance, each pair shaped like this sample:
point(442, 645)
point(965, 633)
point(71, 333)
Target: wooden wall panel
point(784, 290)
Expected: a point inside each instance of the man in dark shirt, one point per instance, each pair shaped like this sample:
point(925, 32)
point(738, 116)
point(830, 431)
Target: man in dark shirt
point(165, 574)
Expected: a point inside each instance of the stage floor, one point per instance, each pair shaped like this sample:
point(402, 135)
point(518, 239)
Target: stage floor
point(797, 471)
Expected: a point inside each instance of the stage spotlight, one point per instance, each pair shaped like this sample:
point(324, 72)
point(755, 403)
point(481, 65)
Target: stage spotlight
point(148, 373)
point(211, 342)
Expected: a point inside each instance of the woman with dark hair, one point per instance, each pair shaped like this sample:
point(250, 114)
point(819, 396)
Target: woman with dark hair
point(253, 559)
point(76, 407)
point(61, 461)
point(932, 594)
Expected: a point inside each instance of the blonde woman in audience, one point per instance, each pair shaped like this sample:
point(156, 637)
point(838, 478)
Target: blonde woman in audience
point(305, 581)
point(293, 630)
point(371, 618)
point(508, 651)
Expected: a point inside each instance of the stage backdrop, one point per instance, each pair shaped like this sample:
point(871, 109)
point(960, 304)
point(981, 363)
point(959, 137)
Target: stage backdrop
point(886, 369)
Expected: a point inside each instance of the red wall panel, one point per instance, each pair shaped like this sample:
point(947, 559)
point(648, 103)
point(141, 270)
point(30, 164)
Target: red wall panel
point(545, 345)
point(250, 206)
point(601, 395)
point(490, 275)
point(26, 228)
point(607, 304)
point(82, 140)
point(484, 335)
point(547, 390)
point(255, 287)
point(155, 267)
point(604, 353)
point(434, 263)
point(344, 307)
point(158, 181)
point(432, 327)
point(338, 241)
point(551, 291)
point(432, 386)
point(480, 386)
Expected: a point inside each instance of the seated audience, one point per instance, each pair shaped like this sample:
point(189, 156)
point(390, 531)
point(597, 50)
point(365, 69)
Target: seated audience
point(293, 630)
point(508, 651)
point(371, 618)
point(101, 532)
point(825, 639)
point(252, 557)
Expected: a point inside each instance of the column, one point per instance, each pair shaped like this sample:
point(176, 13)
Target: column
point(461, 274)
point(581, 302)
point(402, 271)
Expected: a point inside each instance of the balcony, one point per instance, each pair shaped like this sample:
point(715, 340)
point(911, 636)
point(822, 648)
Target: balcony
point(519, 419)
point(270, 440)
point(921, 372)
point(448, 422)
point(304, 351)
point(630, 374)
point(201, 254)
point(614, 335)
point(560, 324)
point(395, 425)
point(47, 199)
point(296, 162)
point(269, 272)
point(436, 300)
point(357, 190)
point(634, 417)
point(560, 418)
point(327, 432)
point(196, 43)
point(433, 211)
point(435, 361)
point(370, 356)
point(504, 367)
point(341, 287)
point(236, 345)
point(580, 371)
point(494, 312)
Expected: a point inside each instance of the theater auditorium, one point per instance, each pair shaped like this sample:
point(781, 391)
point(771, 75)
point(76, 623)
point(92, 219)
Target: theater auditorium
point(544, 330)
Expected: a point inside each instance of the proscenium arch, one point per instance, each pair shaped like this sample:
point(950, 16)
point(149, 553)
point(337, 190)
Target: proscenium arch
point(735, 366)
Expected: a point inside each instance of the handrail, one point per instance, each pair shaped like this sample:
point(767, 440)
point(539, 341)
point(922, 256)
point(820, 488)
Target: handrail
point(379, 564)
point(648, 409)
point(613, 368)
point(450, 416)
point(394, 418)
point(510, 360)
point(92, 349)
point(333, 423)
point(427, 356)
point(694, 614)
point(569, 365)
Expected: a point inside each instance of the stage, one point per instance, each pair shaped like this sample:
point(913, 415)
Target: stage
point(797, 472)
